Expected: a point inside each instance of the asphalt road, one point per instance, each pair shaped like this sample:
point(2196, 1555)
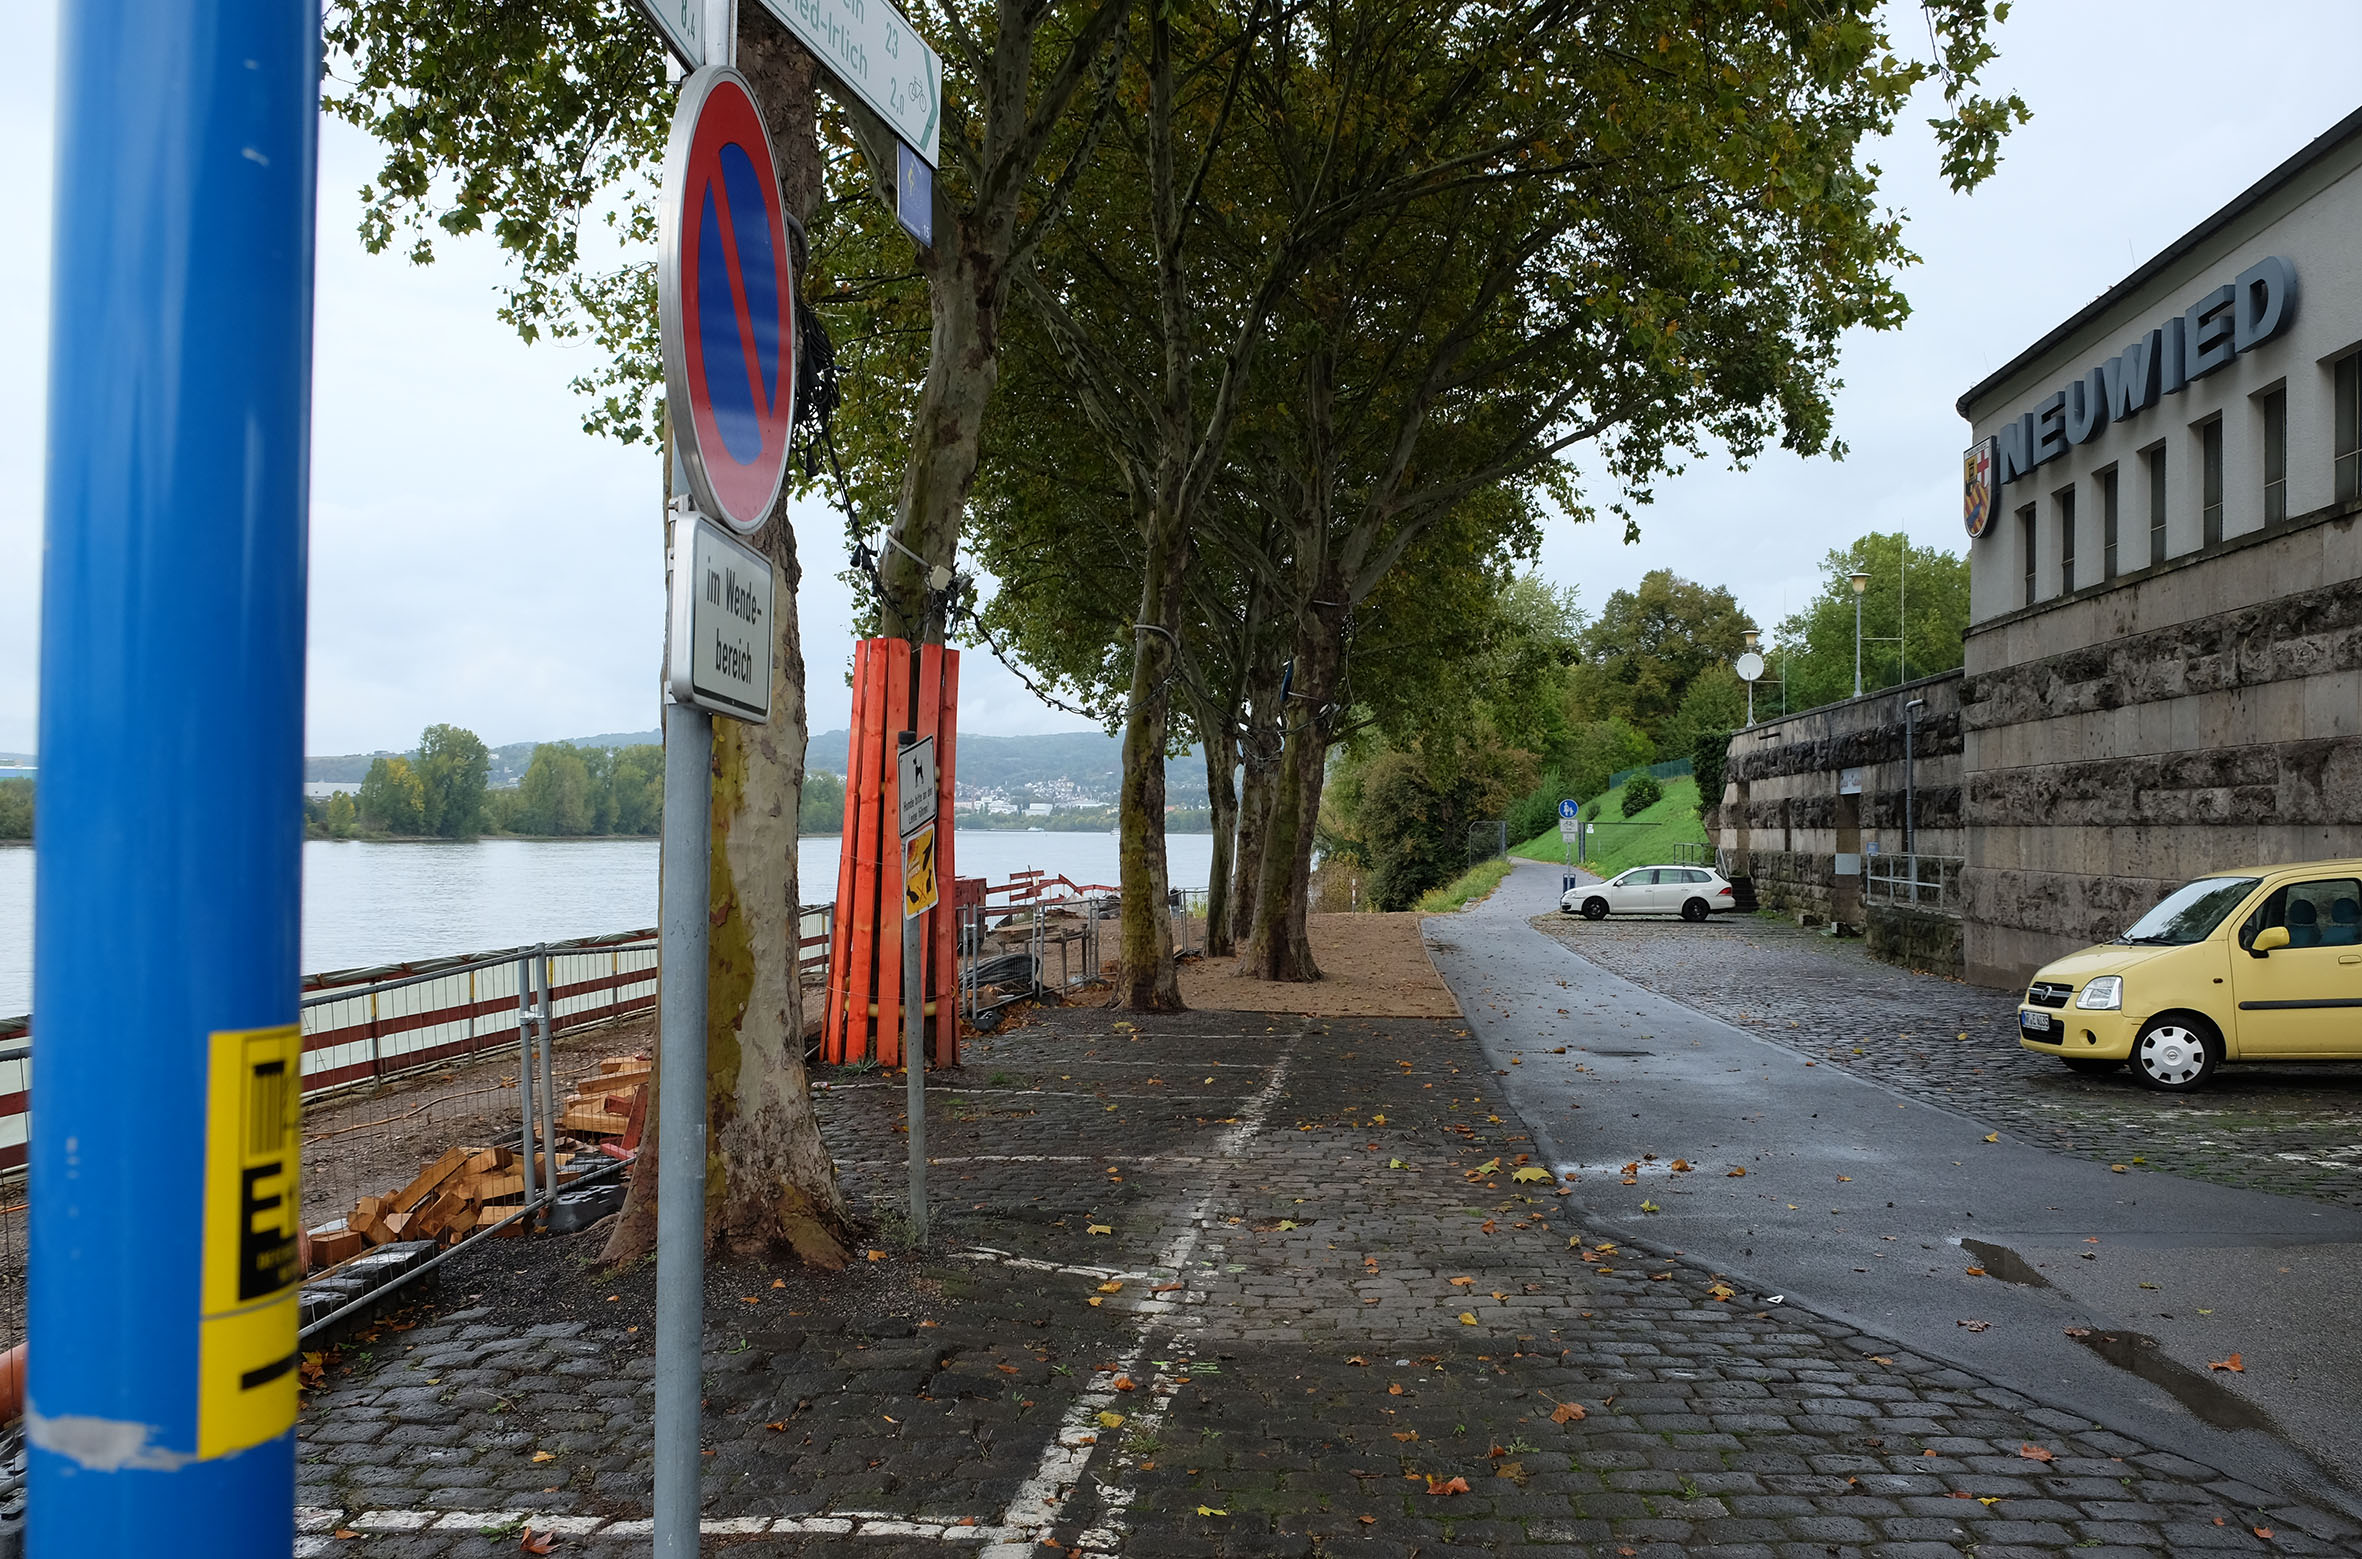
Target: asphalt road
point(1857, 1201)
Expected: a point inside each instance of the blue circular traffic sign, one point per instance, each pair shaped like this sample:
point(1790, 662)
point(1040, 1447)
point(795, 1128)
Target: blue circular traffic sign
point(726, 301)
point(1568, 808)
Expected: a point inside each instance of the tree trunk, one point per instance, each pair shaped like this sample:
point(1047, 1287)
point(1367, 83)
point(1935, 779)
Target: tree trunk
point(1147, 980)
point(769, 1177)
point(965, 296)
point(1222, 798)
point(1281, 948)
point(1259, 753)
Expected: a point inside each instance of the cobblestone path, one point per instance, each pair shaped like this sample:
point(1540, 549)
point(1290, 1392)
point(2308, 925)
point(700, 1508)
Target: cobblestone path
point(2294, 1130)
point(1212, 1286)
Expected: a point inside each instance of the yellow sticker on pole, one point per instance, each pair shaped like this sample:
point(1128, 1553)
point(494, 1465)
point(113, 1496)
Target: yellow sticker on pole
point(918, 873)
point(247, 1301)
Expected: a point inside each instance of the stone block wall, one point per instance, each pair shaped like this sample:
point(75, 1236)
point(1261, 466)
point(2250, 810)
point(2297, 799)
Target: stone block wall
point(1783, 819)
point(2202, 714)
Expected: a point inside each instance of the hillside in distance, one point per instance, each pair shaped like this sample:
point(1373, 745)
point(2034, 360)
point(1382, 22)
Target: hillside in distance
point(1091, 762)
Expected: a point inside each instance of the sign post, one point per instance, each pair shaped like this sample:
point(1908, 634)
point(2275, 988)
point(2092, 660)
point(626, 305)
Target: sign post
point(914, 790)
point(162, 1395)
point(725, 288)
point(1570, 830)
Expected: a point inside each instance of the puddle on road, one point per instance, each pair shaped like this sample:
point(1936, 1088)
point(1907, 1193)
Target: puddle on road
point(2138, 1354)
point(1619, 1052)
point(1999, 1261)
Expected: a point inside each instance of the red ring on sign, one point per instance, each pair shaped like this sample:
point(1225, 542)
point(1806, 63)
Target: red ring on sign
point(734, 280)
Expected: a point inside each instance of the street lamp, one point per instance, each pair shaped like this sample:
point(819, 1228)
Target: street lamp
point(1861, 582)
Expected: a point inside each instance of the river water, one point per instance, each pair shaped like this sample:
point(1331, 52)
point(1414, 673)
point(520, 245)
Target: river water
point(366, 904)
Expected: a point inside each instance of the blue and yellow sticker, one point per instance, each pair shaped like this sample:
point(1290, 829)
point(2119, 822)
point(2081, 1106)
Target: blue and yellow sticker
point(247, 1297)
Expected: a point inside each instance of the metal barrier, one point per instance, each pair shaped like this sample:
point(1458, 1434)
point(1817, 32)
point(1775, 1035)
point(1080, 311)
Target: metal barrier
point(1700, 854)
point(1912, 881)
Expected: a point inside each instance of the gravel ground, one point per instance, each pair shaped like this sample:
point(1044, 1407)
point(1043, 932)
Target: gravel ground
point(2294, 1130)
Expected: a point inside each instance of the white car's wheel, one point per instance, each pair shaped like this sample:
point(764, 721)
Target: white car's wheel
point(1595, 908)
point(2175, 1055)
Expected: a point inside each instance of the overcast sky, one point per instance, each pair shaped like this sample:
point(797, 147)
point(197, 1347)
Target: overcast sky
point(477, 558)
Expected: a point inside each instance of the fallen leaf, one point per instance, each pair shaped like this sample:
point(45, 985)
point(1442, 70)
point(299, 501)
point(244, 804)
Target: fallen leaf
point(2035, 1453)
point(1532, 1176)
point(1992, 1136)
point(1094, 1301)
point(1437, 1485)
point(1208, 1510)
point(1111, 1420)
point(1650, 1207)
point(1123, 1383)
point(1988, 1500)
point(877, 1255)
point(1632, 1168)
point(343, 1533)
point(1406, 1436)
point(779, 1425)
point(749, 1299)
point(1974, 1326)
point(1680, 1166)
point(1395, 1390)
point(1467, 1318)
point(536, 1542)
point(1367, 1521)
point(1845, 1177)
point(1098, 1228)
point(1735, 1172)
point(1880, 1358)
point(1396, 1163)
point(1166, 1288)
point(1111, 1287)
point(1487, 1226)
point(1567, 1412)
point(779, 1282)
point(1976, 1272)
point(1462, 1282)
point(2078, 1331)
point(2263, 1532)
point(2119, 1168)
point(1489, 1167)
point(545, 1456)
point(2232, 1364)
point(1358, 1359)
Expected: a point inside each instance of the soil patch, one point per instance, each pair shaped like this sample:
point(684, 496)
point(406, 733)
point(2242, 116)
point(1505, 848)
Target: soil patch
point(1373, 966)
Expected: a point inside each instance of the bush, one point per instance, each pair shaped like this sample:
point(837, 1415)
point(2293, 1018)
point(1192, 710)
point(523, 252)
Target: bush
point(1641, 792)
point(16, 809)
point(1709, 752)
point(1537, 812)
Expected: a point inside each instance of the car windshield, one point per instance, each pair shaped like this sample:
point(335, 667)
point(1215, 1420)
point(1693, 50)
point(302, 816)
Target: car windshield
point(2190, 913)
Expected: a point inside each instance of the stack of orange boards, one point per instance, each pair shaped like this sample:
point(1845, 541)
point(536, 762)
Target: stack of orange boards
point(606, 1105)
point(464, 1190)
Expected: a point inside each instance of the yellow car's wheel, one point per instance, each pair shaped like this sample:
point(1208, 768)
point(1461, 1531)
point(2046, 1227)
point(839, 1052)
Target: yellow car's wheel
point(2175, 1055)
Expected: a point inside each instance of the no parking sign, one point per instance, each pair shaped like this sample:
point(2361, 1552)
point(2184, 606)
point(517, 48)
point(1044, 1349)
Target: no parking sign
point(726, 301)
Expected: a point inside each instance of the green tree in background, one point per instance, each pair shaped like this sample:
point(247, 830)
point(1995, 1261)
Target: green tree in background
point(1920, 593)
point(16, 809)
point(1414, 813)
point(452, 766)
point(392, 800)
point(557, 796)
point(636, 789)
point(1650, 643)
point(822, 810)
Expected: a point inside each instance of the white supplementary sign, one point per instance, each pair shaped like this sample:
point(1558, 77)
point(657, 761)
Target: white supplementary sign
point(879, 57)
point(721, 622)
point(914, 784)
point(1570, 828)
point(683, 24)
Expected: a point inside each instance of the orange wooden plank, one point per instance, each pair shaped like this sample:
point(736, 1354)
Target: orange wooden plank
point(947, 981)
point(832, 1028)
point(863, 954)
point(889, 838)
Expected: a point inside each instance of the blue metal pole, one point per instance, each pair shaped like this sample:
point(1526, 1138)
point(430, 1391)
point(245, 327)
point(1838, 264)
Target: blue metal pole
point(162, 1268)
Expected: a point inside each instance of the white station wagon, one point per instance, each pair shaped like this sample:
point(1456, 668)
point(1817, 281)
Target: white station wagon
point(1692, 892)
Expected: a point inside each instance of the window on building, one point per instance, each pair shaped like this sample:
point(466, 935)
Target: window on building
point(2155, 460)
point(2026, 538)
point(2275, 410)
point(2347, 440)
point(2210, 483)
point(2063, 502)
point(2108, 523)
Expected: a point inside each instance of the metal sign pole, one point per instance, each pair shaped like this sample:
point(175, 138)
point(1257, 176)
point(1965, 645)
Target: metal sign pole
point(162, 1272)
point(914, 1037)
point(680, 1102)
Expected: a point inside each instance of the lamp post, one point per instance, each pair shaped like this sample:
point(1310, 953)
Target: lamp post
point(1861, 582)
point(1750, 667)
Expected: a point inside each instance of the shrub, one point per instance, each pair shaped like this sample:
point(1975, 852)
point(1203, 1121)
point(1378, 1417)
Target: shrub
point(1640, 793)
point(1708, 756)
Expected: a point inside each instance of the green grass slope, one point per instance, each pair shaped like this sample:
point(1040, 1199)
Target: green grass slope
point(1672, 821)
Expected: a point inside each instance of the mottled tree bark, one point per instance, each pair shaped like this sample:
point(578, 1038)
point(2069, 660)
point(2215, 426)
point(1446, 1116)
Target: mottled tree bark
point(1280, 948)
point(1222, 799)
point(1146, 980)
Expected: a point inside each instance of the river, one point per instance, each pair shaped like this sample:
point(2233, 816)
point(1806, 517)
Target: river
point(367, 904)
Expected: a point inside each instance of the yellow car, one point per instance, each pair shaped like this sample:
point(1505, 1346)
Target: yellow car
point(2259, 964)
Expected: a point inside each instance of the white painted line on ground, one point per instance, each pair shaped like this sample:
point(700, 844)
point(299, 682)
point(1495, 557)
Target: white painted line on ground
point(1035, 1508)
point(1032, 1264)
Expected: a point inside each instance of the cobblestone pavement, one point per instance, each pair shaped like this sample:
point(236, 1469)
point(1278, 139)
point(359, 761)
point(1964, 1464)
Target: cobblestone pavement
point(1208, 1286)
point(2295, 1130)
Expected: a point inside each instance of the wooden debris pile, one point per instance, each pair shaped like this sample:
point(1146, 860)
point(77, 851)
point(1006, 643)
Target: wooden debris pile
point(465, 1190)
point(612, 1104)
